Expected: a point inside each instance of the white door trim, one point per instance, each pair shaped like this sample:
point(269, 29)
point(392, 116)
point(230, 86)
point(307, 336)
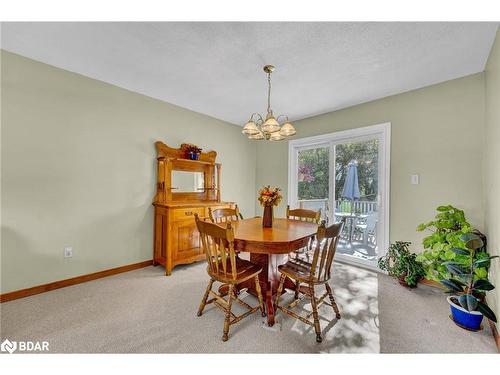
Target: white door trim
point(382, 130)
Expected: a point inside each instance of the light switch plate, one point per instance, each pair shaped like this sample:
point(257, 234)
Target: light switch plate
point(415, 179)
point(68, 252)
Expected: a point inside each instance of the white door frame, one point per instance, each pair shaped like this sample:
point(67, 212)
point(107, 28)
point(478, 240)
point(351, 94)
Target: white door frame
point(383, 132)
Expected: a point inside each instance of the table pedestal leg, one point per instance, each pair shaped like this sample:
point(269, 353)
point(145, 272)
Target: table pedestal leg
point(270, 305)
point(268, 279)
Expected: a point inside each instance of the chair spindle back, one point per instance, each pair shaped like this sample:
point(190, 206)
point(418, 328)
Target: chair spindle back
point(324, 250)
point(218, 243)
point(224, 215)
point(303, 215)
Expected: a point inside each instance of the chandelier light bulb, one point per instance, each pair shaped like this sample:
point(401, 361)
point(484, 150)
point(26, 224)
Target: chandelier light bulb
point(257, 136)
point(287, 129)
point(250, 128)
point(270, 125)
point(276, 137)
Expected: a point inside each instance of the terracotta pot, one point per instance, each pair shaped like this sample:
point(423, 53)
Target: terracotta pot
point(402, 280)
point(267, 217)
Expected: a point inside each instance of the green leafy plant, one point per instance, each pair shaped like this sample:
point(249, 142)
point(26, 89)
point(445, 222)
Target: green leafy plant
point(402, 264)
point(447, 228)
point(464, 281)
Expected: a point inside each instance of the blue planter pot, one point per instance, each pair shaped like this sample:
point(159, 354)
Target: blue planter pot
point(194, 156)
point(470, 320)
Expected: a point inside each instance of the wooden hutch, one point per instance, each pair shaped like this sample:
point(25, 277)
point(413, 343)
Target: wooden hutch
point(184, 187)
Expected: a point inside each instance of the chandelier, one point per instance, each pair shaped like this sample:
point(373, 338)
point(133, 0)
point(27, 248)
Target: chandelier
point(269, 129)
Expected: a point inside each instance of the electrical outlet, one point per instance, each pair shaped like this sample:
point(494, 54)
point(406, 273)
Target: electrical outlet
point(415, 179)
point(68, 252)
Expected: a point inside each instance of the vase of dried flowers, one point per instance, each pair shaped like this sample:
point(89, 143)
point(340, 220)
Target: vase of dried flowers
point(269, 198)
point(267, 218)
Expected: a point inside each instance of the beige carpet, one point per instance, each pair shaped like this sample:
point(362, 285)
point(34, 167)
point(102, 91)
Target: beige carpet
point(145, 312)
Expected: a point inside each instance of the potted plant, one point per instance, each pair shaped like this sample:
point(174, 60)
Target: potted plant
point(402, 264)
point(446, 231)
point(466, 288)
point(268, 198)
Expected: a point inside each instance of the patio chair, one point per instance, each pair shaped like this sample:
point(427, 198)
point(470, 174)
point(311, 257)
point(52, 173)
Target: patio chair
point(368, 228)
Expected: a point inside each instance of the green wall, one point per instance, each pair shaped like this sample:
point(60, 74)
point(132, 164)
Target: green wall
point(78, 169)
point(492, 168)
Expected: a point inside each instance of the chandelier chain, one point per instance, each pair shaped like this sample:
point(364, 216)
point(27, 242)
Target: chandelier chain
point(269, 93)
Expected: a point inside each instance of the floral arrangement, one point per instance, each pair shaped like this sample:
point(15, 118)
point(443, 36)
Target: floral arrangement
point(269, 196)
point(190, 151)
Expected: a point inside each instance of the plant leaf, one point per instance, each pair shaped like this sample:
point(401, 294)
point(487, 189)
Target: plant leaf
point(483, 284)
point(451, 285)
point(471, 302)
point(454, 268)
point(486, 311)
point(474, 244)
point(484, 262)
point(460, 251)
point(458, 283)
point(462, 300)
point(466, 237)
point(481, 273)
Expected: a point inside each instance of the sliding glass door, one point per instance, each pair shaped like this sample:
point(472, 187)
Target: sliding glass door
point(346, 175)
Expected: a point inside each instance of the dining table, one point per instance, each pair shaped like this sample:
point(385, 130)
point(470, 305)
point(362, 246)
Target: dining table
point(270, 247)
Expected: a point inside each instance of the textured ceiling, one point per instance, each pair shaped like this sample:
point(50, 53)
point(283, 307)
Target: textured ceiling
point(216, 68)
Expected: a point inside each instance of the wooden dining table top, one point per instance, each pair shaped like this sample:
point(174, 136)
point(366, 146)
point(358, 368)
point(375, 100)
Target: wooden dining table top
point(285, 235)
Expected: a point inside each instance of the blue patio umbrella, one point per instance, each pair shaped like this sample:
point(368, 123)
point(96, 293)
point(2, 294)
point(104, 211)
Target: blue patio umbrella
point(351, 189)
point(351, 185)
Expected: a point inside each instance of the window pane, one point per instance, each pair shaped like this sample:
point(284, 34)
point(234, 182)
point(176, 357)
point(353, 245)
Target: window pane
point(365, 155)
point(313, 173)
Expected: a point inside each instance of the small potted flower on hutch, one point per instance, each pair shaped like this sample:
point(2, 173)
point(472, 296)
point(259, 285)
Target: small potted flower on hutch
point(268, 198)
point(191, 151)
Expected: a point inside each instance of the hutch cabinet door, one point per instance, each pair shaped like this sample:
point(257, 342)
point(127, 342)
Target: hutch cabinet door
point(185, 240)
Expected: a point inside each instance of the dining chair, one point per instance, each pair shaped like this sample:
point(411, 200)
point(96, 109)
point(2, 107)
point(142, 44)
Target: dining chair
point(226, 268)
point(312, 274)
point(223, 215)
point(303, 214)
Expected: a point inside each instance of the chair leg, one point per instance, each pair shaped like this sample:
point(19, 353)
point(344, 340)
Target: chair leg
point(280, 289)
point(332, 300)
point(259, 296)
point(230, 297)
point(314, 306)
point(297, 287)
point(205, 297)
